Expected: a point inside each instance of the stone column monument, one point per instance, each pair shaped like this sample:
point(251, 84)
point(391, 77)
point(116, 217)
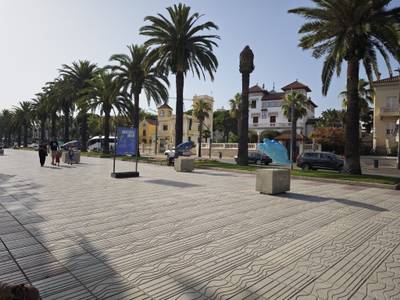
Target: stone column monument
point(246, 67)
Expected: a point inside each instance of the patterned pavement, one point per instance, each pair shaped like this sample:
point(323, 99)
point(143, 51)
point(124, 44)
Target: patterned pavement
point(76, 233)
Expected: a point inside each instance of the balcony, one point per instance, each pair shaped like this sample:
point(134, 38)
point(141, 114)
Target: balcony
point(271, 125)
point(389, 111)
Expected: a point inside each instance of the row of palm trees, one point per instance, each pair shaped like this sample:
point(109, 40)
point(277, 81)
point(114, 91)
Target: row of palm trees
point(176, 45)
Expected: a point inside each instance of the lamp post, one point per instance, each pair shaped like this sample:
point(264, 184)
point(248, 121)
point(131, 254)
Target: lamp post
point(398, 126)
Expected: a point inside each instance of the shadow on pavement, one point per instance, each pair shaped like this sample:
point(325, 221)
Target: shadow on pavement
point(312, 198)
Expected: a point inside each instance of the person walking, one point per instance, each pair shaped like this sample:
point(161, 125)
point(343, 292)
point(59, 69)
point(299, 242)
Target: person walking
point(42, 153)
point(54, 149)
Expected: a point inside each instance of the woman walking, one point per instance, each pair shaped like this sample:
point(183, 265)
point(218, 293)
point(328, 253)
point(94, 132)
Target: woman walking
point(42, 153)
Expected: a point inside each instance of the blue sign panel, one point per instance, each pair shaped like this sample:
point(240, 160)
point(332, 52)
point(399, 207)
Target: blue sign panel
point(126, 141)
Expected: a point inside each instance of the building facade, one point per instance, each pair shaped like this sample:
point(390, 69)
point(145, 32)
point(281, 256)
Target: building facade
point(266, 114)
point(386, 114)
point(166, 124)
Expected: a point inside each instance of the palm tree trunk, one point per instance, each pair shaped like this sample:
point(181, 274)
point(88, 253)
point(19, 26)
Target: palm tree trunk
point(66, 124)
point(106, 127)
point(352, 134)
point(244, 121)
point(25, 135)
point(179, 108)
point(293, 138)
point(19, 134)
point(54, 125)
point(84, 131)
point(43, 129)
point(200, 135)
point(136, 111)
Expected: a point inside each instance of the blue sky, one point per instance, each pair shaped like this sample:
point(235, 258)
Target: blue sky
point(41, 35)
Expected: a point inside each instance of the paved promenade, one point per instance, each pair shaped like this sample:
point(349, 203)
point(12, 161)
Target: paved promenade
point(75, 233)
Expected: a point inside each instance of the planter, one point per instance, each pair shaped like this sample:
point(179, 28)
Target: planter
point(272, 181)
point(65, 158)
point(184, 164)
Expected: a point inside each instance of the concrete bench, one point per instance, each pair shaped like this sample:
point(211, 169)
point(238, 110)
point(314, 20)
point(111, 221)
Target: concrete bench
point(65, 158)
point(272, 181)
point(184, 164)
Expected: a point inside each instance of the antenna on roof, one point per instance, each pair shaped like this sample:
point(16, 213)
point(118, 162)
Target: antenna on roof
point(273, 86)
point(263, 86)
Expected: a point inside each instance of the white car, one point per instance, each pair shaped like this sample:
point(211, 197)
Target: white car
point(35, 146)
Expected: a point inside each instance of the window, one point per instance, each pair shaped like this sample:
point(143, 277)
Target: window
point(253, 104)
point(264, 114)
point(144, 132)
point(190, 124)
point(161, 113)
point(255, 120)
point(272, 119)
point(165, 127)
point(189, 138)
point(392, 102)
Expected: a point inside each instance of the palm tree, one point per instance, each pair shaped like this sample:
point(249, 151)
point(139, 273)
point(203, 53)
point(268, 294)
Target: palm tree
point(6, 125)
point(78, 74)
point(180, 48)
point(104, 92)
point(234, 111)
point(40, 112)
point(296, 101)
point(351, 31)
point(365, 97)
point(137, 72)
point(331, 118)
point(201, 110)
point(24, 116)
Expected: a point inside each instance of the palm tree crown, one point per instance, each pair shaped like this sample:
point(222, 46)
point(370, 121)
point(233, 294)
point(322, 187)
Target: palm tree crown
point(299, 102)
point(365, 96)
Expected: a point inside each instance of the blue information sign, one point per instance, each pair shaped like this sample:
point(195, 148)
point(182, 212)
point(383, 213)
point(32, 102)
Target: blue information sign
point(126, 141)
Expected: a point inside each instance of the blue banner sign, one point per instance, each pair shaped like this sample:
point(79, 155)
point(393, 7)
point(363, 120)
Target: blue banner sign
point(126, 141)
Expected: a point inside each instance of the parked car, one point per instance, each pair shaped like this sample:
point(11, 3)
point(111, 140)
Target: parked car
point(257, 158)
point(320, 160)
point(183, 149)
point(35, 146)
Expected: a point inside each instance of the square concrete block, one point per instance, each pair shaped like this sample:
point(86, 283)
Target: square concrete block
point(272, 181)
point(184, 164)
point(65, 158)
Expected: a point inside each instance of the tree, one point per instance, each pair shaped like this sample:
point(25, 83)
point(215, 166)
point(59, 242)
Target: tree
point(6, 126)
point(331, 118)
point(104, 91)
point(24, 116)
point(206, 134)
point(79, 73)
point(365, 97)
point(136, 72)
point(297, 102)
point(180, 47)
point(331, 139)
point(201, 111)
point(223, 122)
point(234, 105)
point(351, 31)
point(40, 112)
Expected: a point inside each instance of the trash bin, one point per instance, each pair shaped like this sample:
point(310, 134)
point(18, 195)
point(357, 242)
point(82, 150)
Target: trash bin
point(376, 163)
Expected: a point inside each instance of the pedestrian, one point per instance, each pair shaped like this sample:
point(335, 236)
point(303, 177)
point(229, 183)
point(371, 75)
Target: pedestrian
point(54, 149)
point(42, 153)
point(58, 155)
point(70, 155)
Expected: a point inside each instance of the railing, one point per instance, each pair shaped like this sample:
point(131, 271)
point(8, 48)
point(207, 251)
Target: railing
point(278, 125)
point(390, 109)
point(251, 146)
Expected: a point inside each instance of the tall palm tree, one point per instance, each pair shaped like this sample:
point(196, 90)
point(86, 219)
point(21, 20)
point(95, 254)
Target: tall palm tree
point(104, 92)
point(6, 125)
point(180, 47)
point(78, 74)
point(201, 111)
point(40, 112)
point(351, 31)
point(296, 101)
point(24, 115)
point(50, 92)
point(234, 111)
point(365, 97)
point(136, 72)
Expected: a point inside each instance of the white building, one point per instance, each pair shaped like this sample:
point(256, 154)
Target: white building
point(265, 111)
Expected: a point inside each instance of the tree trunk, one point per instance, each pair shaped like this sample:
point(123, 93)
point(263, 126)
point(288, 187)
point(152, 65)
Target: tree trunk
point(54, 125)
point(352, 134)
point(179, 109)
point(25, 135)
point(19, 134)
point(66, 124)
point(136, 111)
point(43, 129)
point(199, 139)
point(84, 131)
point(244, 121)
point(106, 127)
point(293, 138)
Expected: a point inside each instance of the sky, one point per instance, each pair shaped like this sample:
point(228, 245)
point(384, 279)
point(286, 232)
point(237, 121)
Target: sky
point(38, 36)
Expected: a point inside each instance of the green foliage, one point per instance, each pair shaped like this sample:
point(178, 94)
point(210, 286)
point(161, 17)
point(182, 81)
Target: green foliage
point(299, 102)
point(223, 122)
point(331, 118)
point(269, 134)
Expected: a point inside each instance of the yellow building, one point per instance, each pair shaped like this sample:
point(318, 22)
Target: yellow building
point(166, 124)
point(147, 131)
point(386, 114)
